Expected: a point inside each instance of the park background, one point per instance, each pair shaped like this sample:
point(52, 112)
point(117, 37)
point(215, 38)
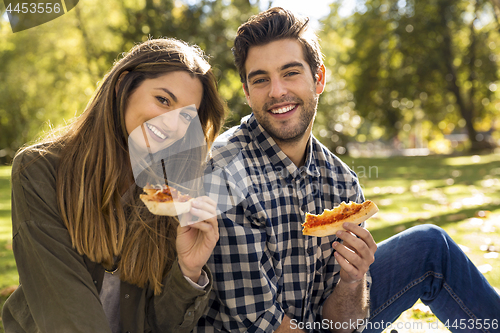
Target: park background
point(411, 103)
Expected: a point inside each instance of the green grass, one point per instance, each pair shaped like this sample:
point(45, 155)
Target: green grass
point(8, 271)
point(447, 191)
point(452, 192)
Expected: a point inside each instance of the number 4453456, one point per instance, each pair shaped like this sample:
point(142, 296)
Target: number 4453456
point(33, 8)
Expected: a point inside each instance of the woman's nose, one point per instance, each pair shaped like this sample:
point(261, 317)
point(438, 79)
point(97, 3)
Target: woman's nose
point(171, 120)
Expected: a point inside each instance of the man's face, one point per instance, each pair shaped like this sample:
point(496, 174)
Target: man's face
point(281, 90)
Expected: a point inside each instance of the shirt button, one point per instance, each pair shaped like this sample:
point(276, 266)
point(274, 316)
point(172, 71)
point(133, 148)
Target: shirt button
point(95, 282)
point(309, 251)
point(127, 296)
point(303, 208)
point(190, 313)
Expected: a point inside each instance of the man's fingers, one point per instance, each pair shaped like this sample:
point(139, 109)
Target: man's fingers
point(354, 273)
point(357, 245)
point(363, 234)
point(351, 256)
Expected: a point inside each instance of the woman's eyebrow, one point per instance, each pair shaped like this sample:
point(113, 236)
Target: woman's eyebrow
point(168, 92)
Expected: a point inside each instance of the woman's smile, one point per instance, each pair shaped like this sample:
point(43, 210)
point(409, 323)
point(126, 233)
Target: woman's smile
point(156, 133)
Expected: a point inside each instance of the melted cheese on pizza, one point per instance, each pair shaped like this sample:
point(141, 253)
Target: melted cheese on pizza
point(163, 193)
point(335, 215)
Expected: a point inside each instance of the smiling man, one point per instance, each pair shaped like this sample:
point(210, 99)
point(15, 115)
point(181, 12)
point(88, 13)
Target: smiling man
point(283, 94)
point(268, 276)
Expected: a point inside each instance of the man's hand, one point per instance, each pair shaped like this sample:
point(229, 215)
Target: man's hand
point(356, 254)
point(349, 300)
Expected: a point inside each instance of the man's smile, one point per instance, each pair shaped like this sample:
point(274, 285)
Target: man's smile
point(283, 109)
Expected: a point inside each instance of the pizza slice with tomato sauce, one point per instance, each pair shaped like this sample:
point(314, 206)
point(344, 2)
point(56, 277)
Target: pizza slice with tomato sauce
point(331, 220)
point(165, 200)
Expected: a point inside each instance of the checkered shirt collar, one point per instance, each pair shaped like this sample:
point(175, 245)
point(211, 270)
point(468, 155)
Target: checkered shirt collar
point(269, 147)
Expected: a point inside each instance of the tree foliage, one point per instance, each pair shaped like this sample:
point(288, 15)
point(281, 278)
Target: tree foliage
point(48, 73)
point(392, 66)
point(429, 61)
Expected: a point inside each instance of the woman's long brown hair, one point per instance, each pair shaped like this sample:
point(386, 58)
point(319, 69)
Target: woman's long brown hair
point(94, 169)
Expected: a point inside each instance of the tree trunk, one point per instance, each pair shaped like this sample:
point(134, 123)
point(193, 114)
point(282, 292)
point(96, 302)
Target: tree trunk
point(466, 108)
point(496, 7)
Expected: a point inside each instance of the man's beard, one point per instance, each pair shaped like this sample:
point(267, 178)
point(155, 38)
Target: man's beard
point(280, 132)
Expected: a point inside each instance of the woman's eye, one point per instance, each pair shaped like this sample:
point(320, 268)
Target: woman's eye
point(163, 100)
point(187, 116)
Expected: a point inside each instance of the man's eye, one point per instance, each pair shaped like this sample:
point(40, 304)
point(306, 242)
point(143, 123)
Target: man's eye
point(258, 81)
point(163, 100)
point(291, 73)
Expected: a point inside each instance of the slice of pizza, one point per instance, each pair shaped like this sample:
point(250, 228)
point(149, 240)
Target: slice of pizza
point(165, 200)
point(331, 220)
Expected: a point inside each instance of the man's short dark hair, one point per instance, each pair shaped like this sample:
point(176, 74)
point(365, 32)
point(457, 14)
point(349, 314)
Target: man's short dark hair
point(272, 25)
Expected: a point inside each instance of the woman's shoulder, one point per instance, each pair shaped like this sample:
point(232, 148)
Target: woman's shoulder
point(36, 157)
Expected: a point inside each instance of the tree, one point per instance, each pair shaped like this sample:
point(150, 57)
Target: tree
point(429, 60)
point(49, 72)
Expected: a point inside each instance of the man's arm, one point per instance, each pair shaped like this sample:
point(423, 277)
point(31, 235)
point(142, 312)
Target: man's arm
point(347, 304)
point(349, 301)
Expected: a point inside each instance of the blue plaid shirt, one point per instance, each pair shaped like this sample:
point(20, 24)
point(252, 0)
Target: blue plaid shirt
point(263, 266)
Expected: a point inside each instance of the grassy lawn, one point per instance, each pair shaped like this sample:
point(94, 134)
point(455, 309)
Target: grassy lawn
point(460, 194)
point(8, 272)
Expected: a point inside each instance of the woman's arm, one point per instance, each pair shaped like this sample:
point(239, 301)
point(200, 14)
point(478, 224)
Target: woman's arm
point(180, 305)
point(57, 293)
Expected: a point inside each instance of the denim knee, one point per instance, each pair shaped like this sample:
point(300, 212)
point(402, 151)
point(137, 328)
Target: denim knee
point(430, 237)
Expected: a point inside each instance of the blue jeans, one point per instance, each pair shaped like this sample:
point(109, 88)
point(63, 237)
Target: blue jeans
point(424, 262)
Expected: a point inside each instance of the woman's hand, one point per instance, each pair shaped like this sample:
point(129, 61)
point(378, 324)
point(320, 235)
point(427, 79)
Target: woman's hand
point(196, 241)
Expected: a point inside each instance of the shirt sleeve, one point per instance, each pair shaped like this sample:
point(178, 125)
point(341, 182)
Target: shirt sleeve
point(56, 293)
point(201, 283)
point(180, 305)
point(246, 291)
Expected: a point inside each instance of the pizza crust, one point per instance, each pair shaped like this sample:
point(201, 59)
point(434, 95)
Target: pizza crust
point(165, 201)
point(368, 209)
point(170, 208)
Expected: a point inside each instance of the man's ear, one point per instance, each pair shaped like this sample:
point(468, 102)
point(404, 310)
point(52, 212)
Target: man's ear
point(117, 86)
point(247, 95)
point(320, 79)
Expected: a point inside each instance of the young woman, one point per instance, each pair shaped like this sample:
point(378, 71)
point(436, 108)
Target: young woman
point(90, 257)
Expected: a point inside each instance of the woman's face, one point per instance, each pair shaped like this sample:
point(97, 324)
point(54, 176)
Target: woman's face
point(157, 114)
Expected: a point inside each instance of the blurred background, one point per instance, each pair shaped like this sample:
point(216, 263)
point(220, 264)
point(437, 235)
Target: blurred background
point(411, 103)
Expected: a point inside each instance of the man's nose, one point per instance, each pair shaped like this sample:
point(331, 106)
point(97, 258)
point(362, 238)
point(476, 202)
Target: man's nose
point(278, 88)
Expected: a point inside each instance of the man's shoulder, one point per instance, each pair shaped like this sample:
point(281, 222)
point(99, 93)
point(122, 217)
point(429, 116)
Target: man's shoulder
point(231, 144)
point(328, 160)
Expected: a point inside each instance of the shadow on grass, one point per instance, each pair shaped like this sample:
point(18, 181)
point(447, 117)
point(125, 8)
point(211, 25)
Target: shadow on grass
point(5, 213)
point(415, 168)
point(439, 220)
